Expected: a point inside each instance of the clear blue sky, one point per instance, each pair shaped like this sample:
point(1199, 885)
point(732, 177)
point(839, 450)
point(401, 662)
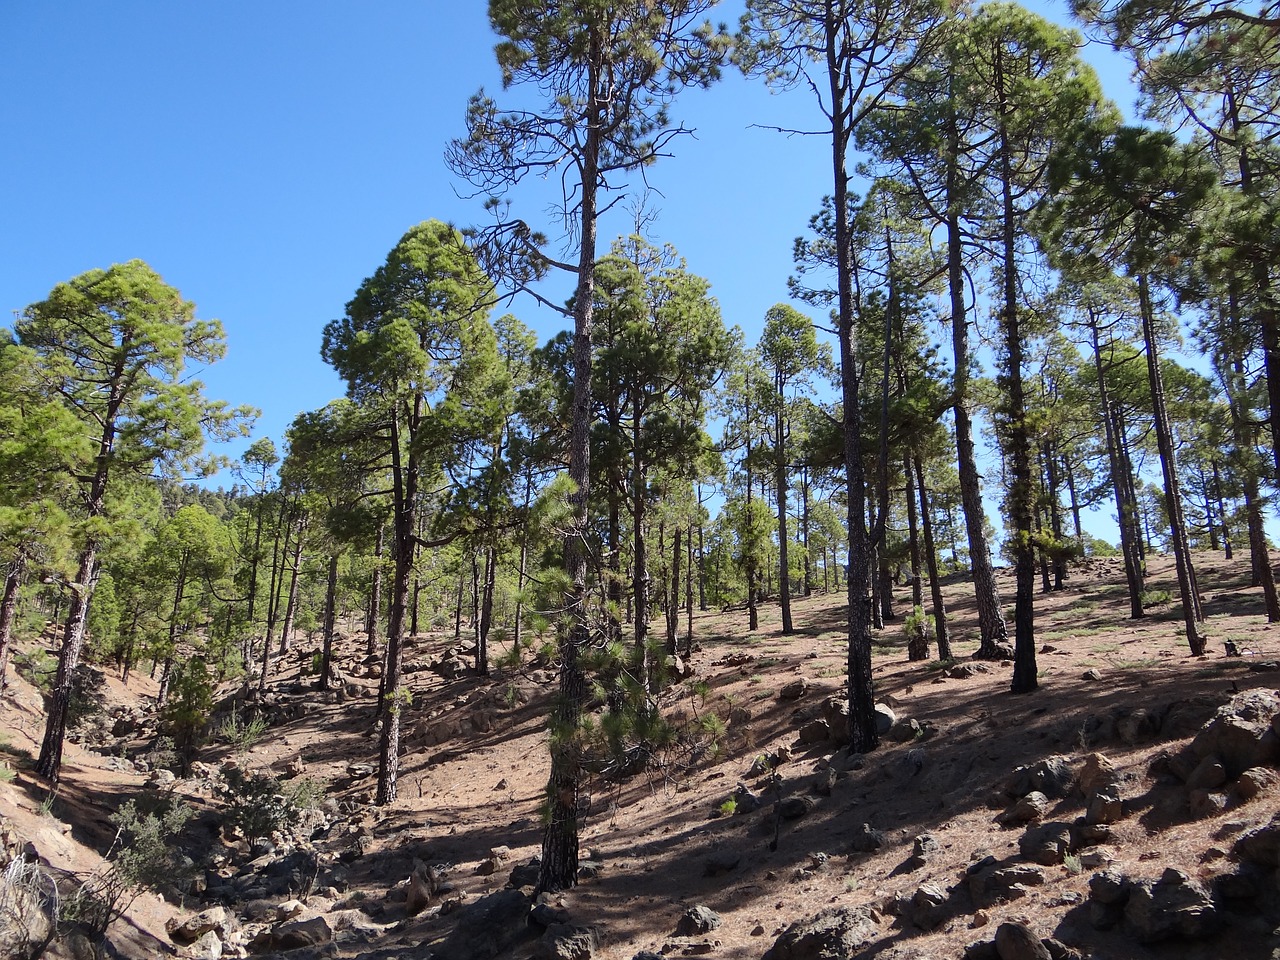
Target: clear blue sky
point(264, 157)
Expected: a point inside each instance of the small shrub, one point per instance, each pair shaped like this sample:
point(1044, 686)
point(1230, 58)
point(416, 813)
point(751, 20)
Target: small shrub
point(241, 732)
point(1155, 598)
point(729, 807)
point(186, 712)
point(258, 805)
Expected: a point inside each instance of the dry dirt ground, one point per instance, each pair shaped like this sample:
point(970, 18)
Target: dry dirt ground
point(654, 833)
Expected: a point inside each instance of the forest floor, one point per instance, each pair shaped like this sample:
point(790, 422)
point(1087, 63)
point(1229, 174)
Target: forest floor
point(654, 834)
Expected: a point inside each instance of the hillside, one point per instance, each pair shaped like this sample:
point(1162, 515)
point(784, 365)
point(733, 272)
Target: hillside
point(902, 832)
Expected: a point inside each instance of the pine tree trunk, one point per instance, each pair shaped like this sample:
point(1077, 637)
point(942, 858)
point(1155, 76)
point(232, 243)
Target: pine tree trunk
point(559, 868)
point(291, 608)
point(330, 621)
point(941, 632)
point(780, 485)
point(1191, 612)
point(1020, 497)
point(991, 623)
point(49, 763)
point(8, 609)
point(374, 614)
point(673, 595)
point(917, 641)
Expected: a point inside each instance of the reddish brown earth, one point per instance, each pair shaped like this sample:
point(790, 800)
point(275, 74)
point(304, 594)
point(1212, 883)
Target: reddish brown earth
point(654, 833)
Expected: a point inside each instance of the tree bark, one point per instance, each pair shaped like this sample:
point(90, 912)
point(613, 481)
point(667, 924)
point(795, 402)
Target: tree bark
point(941, 632)
point(325, 679)
point(8, 609)
point(1192, 615)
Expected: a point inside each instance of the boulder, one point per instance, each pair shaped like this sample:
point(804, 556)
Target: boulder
point(721, 861)
point(696, 921)
point(867, 839)
point(189, 929)
point(1260, 845)
point(1097, 773)
point(488, 927)
point(1031, 807)
point(1173, 906)
point(990, 884)
point(1256, 781)
point(1105, 806)
point(1209, 774)
point(1051, 776)
point(1017, 941)
point(207, 947)
point(1203, 804)
point(815, 731)
point(832, 934)
point(885, 718)
point(1240, 734)
point(835, 710)
point(564, 942)
point(794, 690)
point(1047, 843)
point(293, 934)
point(928, 906)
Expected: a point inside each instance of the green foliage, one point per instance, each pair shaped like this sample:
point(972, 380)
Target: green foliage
point(243, 732)
point(145, 853)
point(186, 712)
point(728, 808)
point(37, 667)
point(257, 805)
point(917, 623)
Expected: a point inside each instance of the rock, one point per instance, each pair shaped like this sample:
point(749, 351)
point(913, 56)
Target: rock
point(207, 947)
point(793, 808)
point(301, 933)
point(867, 839)
point(1240, 733)
point(1046, 844)
point(981, 950)
point(187, 930)
point(359, 771)
point(963, 671)
point(1261, 845)
point(1206, 803)
point(1209, 774)
point(815, 731)
point(162, 779)
point(289, 909)
point(563, 942)
point(835, 710)
point(1184, 718)
point(1137, 725)
point(833, 933)
point(923, 849)
point(1097, 773)
point(1257, 780)
point(1016, 941)
point(1173, 906)
point(744, 801)
point(525, 874)
point(696, 921)
point(548, 911)
point(721, 861)
point(1105, 806)
point(824, 781)
point(794, 690)
point(1093, 675)
point(991, 884)
point(885, 718)
point(1031, 807)
point(928, 906)
point(1051, 776)
point(423, 883)
point(906, 731)
point(488, 927)
point(1109, 887)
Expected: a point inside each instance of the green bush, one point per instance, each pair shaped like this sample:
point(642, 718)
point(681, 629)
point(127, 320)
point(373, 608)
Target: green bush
point(258, 804)
point(186, 712)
